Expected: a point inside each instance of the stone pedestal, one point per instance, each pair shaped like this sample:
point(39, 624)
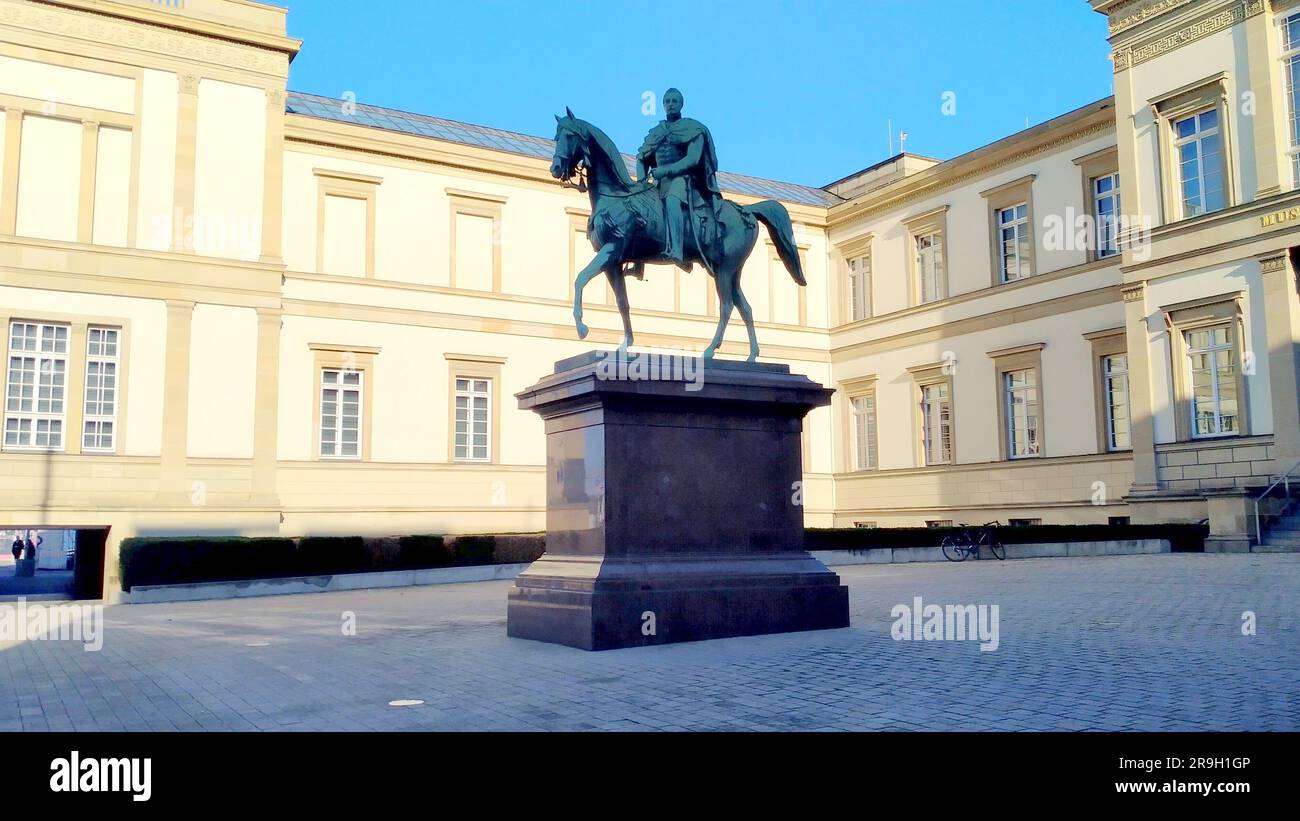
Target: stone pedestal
point(673, 508)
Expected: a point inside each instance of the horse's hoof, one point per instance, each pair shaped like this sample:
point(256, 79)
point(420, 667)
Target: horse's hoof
point(582, 329)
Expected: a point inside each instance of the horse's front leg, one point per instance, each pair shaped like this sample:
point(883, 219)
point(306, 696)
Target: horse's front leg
point(604, 258)
point(618, 283)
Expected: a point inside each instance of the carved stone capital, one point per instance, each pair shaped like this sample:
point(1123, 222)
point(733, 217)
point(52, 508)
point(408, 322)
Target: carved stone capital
point(1134, 292)
point(189, 83)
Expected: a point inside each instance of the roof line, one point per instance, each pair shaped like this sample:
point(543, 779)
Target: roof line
point(739, 183)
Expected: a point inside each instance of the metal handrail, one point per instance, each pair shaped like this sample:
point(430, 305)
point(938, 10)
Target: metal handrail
point(1285, 481)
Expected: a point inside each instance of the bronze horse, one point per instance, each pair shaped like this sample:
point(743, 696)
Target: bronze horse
point(627, 226)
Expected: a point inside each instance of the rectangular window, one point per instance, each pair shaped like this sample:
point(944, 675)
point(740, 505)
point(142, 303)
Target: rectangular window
point(1020, 392)
point(1117, 521)
point(864, 432)
point(1198, 150)
point(36, 385)
point(865, 525)
point(99, 421)
point(1024, 522)
point(859, 288)
point(1114, 380)
point(936, 424)
point(929, 267)
point(1213, 382)
point(473, 408)
point(1015, 257)
point(340, 414)
point(938, 522)
point(1105, 203)
point(1291, 71)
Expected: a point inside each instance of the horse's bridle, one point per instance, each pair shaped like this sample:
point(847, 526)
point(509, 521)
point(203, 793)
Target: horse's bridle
point(582, 168)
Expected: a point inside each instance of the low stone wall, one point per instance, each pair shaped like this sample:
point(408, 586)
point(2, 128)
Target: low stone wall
point(897, 555)
point(155, 594)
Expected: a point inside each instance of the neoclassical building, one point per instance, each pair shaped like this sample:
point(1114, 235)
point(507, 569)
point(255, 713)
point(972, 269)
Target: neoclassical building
point(233, 308)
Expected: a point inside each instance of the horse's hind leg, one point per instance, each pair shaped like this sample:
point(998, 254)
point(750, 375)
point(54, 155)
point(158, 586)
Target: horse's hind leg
point(724, 283)
point(602, 259)
point(748, 316)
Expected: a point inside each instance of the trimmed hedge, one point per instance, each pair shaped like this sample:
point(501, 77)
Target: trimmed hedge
point(326, 555)
point(187, 560)
point(414, 552)
point(190, 560)
point(471, 550)
point(1186, 538)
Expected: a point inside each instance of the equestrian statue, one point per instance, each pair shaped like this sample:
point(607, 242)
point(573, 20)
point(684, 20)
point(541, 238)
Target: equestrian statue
point(674, 213)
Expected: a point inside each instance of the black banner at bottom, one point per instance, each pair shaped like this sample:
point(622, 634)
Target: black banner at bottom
point(211, 771)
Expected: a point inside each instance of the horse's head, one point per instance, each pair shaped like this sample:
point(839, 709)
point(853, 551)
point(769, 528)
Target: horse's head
point(570, 146)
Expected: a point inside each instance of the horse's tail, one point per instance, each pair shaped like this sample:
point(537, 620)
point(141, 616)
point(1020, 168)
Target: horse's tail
point(773, 214)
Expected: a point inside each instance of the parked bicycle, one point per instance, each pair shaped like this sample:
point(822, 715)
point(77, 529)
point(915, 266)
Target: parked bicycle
point(969, 541)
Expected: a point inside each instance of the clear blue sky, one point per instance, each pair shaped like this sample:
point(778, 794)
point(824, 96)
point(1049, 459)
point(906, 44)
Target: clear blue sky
point(794, 90)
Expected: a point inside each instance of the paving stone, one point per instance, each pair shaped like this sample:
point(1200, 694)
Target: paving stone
point(1099, 643)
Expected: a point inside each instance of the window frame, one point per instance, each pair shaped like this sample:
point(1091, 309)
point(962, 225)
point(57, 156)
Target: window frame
point(100, 418)
point(1291, 92)
point(1223, 310)
point(930, 223)
point(1175, 106)
point(348, 185)
point(35, 416)
point(998, 199)
point(926, 376)
point(855, 249)
point(475, 366)
point(344, 357)
point(470, 393)
point(341, 387)
point(1012, 360)
point(1107, 343)
point(475, 204)
point(1197, 139)
point(1093, 167)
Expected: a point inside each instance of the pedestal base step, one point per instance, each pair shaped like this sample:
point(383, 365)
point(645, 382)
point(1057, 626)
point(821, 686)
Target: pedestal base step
point(609, 620)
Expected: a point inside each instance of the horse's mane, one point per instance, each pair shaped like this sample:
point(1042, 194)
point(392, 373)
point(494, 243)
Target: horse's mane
point(606, 145)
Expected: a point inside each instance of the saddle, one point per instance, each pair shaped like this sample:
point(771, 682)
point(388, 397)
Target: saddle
point(704, 222)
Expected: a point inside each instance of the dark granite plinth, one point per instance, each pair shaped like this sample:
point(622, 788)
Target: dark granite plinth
point(673, 503)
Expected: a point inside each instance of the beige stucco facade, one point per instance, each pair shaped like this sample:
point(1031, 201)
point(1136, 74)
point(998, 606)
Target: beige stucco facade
point(154, 183)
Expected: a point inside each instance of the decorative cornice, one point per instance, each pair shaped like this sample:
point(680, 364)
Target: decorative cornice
point(1272, 264)
point(144, 36)
point(1133, 55)
point(1122, 19)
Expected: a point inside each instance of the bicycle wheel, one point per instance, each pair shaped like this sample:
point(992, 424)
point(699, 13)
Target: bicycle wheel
point(955, 548)
point(996, 548)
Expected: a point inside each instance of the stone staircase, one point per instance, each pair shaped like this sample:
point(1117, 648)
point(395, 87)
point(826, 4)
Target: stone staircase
point(1282, 527)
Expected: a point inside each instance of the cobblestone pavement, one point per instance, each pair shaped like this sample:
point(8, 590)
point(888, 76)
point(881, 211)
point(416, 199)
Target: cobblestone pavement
point(1115, 643)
